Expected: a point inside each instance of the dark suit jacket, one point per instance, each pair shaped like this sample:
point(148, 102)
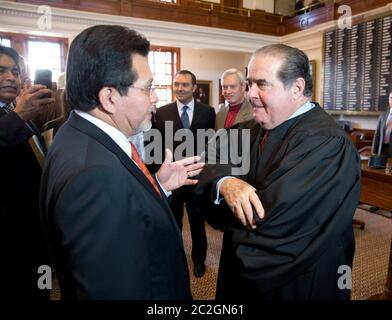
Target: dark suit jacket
point(203, 118)
point(21, 240)
point(111, 235)
point(379, 134)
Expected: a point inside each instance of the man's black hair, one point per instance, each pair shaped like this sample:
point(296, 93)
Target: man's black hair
point(101, 56)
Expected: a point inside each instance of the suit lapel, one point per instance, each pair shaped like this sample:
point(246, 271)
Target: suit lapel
point(94, 132)
point(243, 114)
point(175, 117)
point(196, 116)
point(221, 118)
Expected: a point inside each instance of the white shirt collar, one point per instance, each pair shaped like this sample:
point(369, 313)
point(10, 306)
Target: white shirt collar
point(305, 108)
point(116, 135)
point(191, 106)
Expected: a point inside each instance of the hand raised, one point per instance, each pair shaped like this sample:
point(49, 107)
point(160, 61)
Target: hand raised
point(173, 175)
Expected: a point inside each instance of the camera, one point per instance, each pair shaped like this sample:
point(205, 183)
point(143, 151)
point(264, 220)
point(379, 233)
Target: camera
point(44, 77)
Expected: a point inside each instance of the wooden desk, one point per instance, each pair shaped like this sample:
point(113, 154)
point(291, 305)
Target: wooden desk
point(376, 187)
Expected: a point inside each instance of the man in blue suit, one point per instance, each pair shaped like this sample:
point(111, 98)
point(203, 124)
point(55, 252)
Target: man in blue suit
point(188, 116)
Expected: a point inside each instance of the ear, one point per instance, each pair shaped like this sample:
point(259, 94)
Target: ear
point(298, 88)
point(194, 87)
point(107, 98)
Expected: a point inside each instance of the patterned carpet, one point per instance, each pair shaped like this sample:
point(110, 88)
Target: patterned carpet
point(370, 261)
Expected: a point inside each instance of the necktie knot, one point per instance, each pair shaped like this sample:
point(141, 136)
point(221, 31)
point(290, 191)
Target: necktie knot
point(185, 117)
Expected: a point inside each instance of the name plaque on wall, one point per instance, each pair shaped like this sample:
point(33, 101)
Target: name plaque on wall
point(357, 67)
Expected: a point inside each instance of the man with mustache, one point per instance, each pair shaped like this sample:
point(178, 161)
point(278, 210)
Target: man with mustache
point(21, 241)
point(289, 229)
point(108, 223)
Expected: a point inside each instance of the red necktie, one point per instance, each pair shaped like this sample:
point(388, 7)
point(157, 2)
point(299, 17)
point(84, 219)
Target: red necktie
point(143, 168)
point(263, 142)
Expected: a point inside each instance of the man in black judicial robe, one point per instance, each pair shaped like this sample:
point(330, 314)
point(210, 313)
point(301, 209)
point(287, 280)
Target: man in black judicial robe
point(292, 224)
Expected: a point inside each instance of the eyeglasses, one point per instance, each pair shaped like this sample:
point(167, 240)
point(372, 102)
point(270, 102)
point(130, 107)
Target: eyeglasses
point(150, 89)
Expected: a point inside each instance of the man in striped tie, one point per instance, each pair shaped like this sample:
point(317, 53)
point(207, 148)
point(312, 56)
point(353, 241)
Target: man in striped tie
point(21, 241)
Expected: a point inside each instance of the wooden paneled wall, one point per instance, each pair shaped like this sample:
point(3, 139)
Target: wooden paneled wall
point(213, 15)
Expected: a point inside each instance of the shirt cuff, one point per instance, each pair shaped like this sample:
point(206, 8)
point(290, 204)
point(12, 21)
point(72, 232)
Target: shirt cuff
point(167, 193)
point(218, 199)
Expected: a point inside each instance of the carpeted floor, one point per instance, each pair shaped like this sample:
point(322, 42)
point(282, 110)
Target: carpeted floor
point(370, 261)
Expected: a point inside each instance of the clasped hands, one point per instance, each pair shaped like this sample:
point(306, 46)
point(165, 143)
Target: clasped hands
point(241, 198)
point(173, 175)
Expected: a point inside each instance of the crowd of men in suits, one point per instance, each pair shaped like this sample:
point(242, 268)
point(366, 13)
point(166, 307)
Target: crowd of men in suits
point(112, 225)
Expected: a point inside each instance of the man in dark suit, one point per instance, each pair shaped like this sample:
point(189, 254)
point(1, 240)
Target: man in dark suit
point(21, 240)
point(382, 138)
point(110, 229)
point(188, 114)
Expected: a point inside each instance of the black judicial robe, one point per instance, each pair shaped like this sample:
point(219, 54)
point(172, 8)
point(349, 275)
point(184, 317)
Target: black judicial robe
point(308, 180)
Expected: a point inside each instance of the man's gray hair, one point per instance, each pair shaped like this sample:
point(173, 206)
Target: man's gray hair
point(295, 65)
point(235, 71)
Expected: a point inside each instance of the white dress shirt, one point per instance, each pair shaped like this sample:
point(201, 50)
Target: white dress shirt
point(116, 135)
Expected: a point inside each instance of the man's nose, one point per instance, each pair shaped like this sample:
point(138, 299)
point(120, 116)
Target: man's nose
point(253, 91)
point(10, 76)
point(154, 99)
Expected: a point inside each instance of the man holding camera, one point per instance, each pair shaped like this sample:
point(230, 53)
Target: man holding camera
point(21, 241)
